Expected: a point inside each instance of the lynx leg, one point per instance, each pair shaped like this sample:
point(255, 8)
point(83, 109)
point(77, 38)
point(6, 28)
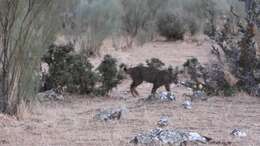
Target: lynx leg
point(155, 87)
point(132, 90)
point(167, 87)
point(133, 86)
point(137, 84)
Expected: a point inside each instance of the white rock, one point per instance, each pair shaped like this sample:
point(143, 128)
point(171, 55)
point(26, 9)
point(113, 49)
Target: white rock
point(172, 137)
point(187, 104)
point(111, 114)
point(163, 122)
point(49, 95)
point(193, 136)
point(238, 133)
point(162, 96)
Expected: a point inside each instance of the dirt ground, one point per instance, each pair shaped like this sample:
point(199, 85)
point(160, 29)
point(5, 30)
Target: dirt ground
point(71, 122)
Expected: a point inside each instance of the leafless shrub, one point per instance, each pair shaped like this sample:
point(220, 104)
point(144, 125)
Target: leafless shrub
point(95, 21)
point(171, 25)
point(138, 19)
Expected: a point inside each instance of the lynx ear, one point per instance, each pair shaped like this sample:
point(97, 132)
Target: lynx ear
point(176, 72)
point(123, 66)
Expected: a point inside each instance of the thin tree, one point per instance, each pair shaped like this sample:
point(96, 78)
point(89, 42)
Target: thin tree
point(22, 29)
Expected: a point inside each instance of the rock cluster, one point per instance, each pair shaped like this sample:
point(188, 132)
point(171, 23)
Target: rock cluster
point(163, 122)
point(110, 114)
point(162, 96)
point(238, 133)
point(174, 137)
point(49, 95)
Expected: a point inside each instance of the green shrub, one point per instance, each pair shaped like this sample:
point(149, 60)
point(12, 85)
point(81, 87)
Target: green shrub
point(229, 91)
point(69, 70)
point(155, 63)
point(171, 25)
point(110, 75)
point(191, 62)
point(74, 71)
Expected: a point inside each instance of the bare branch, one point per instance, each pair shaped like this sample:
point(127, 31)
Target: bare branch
point(216, 52)
point(233, 12)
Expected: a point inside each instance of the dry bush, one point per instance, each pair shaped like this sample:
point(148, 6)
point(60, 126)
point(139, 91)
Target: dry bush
point(171, 25)
point(95, 21)
point(205, 12)
point(191, 16)
point(138, 20)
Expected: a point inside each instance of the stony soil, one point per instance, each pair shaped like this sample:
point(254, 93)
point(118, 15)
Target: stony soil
point(71, 122)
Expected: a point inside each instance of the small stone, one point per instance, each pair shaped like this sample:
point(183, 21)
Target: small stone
point(187, 104)
point(167, 96)
point(142, 139)
point(49, 95)
point(198, 95)
point(193, 136)
point(147, 138)
point(110, 114)
point(163, 122)
point(162, 96)
point(238, 133)
point(172, 137)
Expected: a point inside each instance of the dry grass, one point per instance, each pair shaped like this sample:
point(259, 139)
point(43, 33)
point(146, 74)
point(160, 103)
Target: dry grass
point(71, 123)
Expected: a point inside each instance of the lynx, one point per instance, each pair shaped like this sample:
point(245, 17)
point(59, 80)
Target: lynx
point(157, 77)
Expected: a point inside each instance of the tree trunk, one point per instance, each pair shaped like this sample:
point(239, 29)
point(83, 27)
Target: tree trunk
point(248, 5)
point(5, 77)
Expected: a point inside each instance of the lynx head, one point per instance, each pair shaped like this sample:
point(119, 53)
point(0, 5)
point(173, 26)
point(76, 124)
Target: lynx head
point(123, 66)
